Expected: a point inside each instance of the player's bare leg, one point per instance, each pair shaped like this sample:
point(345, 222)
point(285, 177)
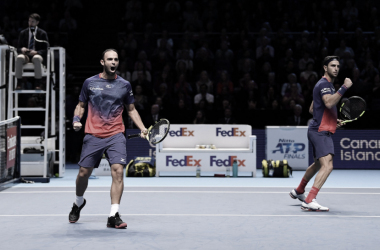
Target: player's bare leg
point(312, 170)
point(82, 180)
point(81, 186)
point(117, 188)
point(326, 163)
point(298, 193)
point(310, 203)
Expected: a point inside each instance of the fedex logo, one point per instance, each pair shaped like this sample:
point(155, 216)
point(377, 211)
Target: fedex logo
point(225, 162)
point(181, 132)
point(232, 132)
point(187, 161)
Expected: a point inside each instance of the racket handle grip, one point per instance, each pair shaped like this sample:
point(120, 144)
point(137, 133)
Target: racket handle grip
point(133, 136)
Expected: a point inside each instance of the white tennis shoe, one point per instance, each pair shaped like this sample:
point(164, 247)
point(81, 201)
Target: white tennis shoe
point(295, 195)
point(313, 206)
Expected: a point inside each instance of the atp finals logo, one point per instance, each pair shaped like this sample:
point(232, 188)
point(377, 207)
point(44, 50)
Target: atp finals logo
point(290, 149)
point(181, 132)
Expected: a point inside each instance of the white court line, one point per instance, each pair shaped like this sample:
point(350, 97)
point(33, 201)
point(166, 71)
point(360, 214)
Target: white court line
point(202, 215)
point(184, 191)
point(216, 186)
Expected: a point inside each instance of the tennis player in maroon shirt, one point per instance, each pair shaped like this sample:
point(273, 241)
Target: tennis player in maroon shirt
point(323, 126)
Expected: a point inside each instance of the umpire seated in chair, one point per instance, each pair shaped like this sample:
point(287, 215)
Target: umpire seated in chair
point(31, 50)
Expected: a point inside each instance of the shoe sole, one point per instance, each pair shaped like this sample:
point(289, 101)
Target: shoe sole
point(294, 197)
point(71, 221)
point(122, 226)
point(313, 210)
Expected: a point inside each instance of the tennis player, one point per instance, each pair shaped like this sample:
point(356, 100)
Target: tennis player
point(106, 95)
point(324, 124)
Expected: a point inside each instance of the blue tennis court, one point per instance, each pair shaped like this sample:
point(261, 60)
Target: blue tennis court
point(194, 213)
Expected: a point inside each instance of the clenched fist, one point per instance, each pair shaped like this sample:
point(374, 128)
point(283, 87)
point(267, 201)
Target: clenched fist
point(347, 82)
point(77, 126)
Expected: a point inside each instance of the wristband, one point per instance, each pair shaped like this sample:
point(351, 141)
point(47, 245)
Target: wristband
point(76, 118)
point(342, 90)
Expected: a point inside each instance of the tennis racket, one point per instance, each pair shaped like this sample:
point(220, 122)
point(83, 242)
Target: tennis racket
point(156, 133)
point(352, 108)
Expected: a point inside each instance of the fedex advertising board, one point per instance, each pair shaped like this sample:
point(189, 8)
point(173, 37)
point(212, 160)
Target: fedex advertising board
point(223, 136)
point(207, 162)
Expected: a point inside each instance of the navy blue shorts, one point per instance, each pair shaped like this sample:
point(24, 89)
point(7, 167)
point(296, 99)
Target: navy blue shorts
point(93, 148)
point(321, 143)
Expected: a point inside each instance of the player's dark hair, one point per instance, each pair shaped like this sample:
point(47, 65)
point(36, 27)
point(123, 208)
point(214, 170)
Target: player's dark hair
point(104, 52)
point(35, 16)
point(328, 59)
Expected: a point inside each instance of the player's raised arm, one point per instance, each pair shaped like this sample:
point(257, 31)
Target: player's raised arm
point(331, 100)
point(78, 114)
point(132, 112)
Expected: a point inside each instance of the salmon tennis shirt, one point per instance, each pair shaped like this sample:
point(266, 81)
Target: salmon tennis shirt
point(106, 99)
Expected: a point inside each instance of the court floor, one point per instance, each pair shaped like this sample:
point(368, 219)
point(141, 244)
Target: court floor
point(194, 213)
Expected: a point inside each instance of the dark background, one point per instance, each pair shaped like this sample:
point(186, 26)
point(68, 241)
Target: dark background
point(257, 44)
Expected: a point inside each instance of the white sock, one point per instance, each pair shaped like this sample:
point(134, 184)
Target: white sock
point(114, 209)
point(79, 201)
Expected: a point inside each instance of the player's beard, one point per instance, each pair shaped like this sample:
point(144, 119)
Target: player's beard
point(331, 75)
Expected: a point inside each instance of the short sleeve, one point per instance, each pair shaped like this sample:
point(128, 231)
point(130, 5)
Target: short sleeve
point(129, 98)
point(83, 97)
point(325, 88)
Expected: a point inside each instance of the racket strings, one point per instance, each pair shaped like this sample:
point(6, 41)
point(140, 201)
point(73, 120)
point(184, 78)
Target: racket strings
point(158, 131)
point(353, 108)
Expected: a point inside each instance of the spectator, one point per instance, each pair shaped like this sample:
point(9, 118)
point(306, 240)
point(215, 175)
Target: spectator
point(182, 114)
point(139, 67)
point(165, 36)
point(200, 118)
point(30, 50)
point(123, 72)
point(203, 61)
point(131, 45)
point(264, 48)
point(141, 80)
point(369, 72)
point(309, 70)
point(203, 95)
point(188, 51)
point(141, 100)
point(246, 65)
point(293, 97)
point(304, 61)
point(143, 58)
point(296, 119)
point(225, 83)
point(204, 79)
point(227, 118)
point(268, 98)
point(224, 57)
point(67, 24)
point(245, 51)
point(343, 48)
point(286, 87)
point(154, 115)
point(245, 82)
point(183, 86)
